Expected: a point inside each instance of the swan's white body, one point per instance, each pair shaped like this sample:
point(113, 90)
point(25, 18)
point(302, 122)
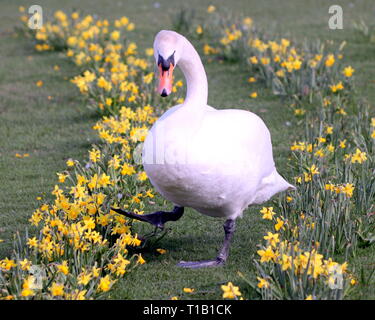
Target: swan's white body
point(217, 162)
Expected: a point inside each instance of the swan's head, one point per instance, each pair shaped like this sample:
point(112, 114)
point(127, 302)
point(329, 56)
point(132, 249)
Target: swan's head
point(168, 47)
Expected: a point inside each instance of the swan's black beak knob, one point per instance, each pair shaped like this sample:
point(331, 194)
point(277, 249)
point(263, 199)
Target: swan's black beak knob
point(166, 67)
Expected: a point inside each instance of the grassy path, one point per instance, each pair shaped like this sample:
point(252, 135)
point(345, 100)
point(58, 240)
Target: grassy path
point(49, 123)
point(53, 130)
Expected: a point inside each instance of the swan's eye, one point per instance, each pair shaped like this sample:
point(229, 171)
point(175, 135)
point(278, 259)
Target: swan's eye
point(166, 63)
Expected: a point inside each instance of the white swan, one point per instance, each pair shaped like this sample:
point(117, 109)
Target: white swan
point(217, 162)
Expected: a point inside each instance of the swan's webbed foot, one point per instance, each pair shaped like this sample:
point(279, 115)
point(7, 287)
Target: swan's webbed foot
point(229, 228)
point(201, 264)
point(157, 219)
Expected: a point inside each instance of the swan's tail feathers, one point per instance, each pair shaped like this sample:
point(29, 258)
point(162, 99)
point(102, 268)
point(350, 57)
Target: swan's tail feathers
point(282, 183)
point(271, 185)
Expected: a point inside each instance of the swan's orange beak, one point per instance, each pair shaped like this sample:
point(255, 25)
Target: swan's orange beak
point(165, 80)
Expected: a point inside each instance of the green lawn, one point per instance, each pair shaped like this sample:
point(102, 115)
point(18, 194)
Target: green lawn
point(52, 131)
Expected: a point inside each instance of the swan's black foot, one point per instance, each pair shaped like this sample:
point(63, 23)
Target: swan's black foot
point(229, 228)
point(201, 264)
point(157, 219)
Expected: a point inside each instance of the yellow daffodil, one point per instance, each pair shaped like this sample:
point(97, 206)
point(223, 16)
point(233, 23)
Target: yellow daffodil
point(230, 291)
point(56, 289)
point(268, 213)
point(262, 283)
point(105, 284)
point(348, 71)
point(211, 8)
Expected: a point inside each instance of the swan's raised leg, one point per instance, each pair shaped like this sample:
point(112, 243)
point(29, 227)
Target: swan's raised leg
point(157, 219)
point(229, 228)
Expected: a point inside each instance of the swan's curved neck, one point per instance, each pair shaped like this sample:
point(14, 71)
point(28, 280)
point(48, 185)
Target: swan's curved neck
point(196, 79)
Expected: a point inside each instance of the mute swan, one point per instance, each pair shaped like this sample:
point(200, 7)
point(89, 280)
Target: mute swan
point(217, 162)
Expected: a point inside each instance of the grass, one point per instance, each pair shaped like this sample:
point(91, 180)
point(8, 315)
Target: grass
point(52, 131)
